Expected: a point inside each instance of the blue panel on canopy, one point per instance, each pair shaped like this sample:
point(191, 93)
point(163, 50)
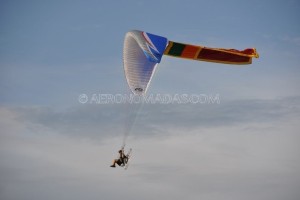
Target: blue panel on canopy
point(156, 46)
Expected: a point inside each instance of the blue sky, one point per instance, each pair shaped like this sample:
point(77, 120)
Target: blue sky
point(55, 147)
point(46, 46)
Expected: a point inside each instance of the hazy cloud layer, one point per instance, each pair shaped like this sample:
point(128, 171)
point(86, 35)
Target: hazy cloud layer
point(106, 120)
point(236, 150)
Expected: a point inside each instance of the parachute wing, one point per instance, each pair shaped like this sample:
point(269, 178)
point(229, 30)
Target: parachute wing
point(143, 51)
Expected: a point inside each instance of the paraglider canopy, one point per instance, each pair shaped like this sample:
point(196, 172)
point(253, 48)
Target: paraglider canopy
point(143, 51)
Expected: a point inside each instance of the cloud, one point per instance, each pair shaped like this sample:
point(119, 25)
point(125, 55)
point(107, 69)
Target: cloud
point(246, 149)
point(106, 120)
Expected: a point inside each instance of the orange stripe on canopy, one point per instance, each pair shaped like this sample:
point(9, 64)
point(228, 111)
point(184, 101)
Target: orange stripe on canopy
point(190, 51)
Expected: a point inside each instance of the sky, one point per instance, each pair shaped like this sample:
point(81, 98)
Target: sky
point(54, 146)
